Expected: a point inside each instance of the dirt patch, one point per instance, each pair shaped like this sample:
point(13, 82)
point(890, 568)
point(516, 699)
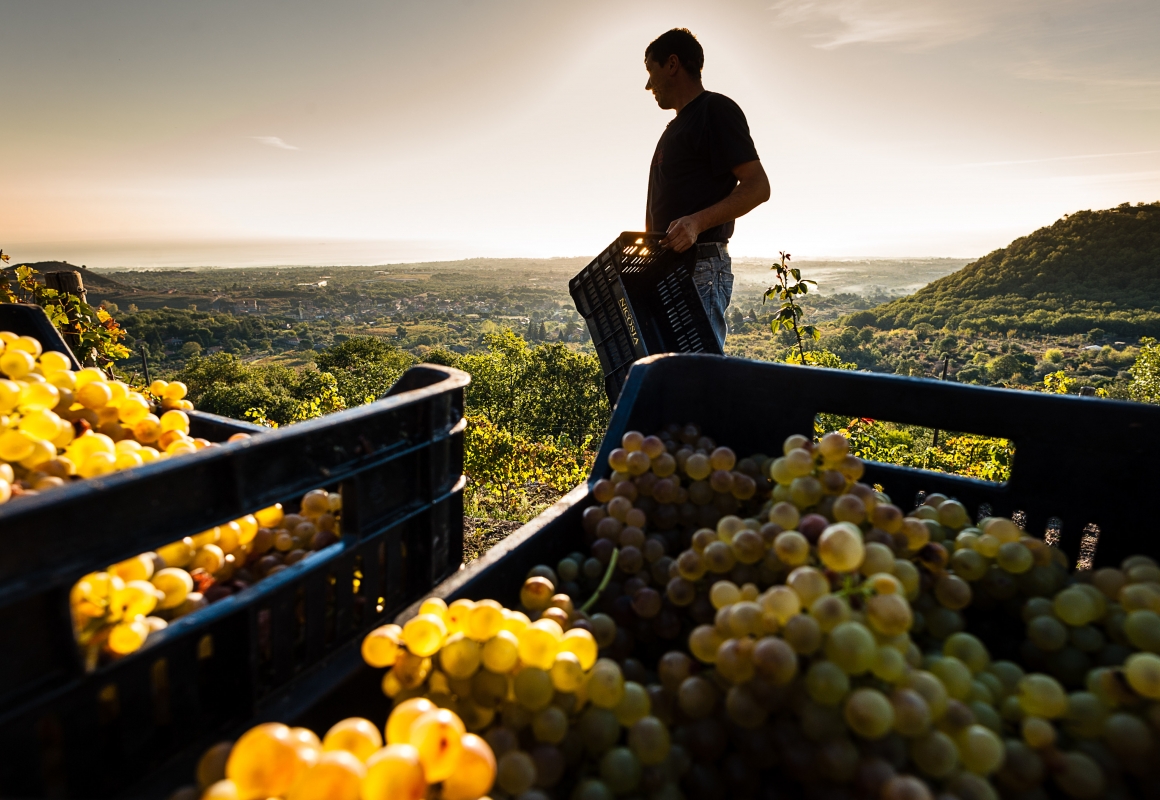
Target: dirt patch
point(481, 534)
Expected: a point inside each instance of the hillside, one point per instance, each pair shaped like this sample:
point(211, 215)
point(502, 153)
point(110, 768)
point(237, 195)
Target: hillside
point(1093, 269)
point(92, 280)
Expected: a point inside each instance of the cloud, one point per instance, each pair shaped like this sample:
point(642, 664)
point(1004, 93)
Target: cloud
point(274, 141)
point(836, 23)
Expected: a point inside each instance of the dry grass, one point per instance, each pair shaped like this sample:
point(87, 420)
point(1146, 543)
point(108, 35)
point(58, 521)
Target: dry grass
point(481, 534)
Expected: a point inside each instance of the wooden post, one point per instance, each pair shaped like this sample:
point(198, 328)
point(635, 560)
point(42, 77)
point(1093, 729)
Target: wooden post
point(946, 362)
point(69, 282)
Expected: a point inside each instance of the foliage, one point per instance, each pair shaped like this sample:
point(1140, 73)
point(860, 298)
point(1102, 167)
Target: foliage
point(513, 476)
point(541, 392)
point(790, 314)
point(364, 367)
point(1145, 385)
point(88, 330)
point(819, 358)
point(1091, 270)
point(1058, 382)
point(963, 454)
point(267, 394)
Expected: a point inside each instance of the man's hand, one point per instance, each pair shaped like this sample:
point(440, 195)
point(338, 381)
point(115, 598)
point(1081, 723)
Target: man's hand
point(682, 234)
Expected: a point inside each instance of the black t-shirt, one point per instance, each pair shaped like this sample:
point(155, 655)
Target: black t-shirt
point(692, 166)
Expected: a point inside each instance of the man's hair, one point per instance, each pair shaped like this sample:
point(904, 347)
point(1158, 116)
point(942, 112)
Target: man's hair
point(679, 42)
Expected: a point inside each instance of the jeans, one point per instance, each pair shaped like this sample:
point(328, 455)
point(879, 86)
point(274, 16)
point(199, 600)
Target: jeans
point(714, 281)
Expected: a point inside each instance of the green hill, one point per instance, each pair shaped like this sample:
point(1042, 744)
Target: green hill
point(1093, 269)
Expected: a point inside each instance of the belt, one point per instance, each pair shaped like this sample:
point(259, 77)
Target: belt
point(712, 249)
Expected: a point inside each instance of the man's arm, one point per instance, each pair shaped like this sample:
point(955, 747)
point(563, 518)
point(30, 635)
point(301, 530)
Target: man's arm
point(751, 191)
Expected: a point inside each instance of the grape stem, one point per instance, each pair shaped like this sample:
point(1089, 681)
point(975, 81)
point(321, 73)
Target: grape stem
point(603, 582)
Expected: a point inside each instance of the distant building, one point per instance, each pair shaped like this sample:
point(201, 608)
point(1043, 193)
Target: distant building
point(173, 341)
point(217, 348)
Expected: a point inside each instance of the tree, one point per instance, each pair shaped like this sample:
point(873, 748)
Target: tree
point(1145, 385)
point(364, 367)
point(189, 350)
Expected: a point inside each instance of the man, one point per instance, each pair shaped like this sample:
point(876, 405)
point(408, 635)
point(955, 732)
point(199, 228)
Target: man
point(705, 172)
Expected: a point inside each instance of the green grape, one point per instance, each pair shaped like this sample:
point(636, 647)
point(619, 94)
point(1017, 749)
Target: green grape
point(1087, 639)
point(775, 660)
point(743, 708)
point(889, 665)
point(620, 770)
point(969, 650)
point(634, 704)
point(672, 668)
point(904, 787)
point(932, 690)
point(912, 715)
point(724, 593)
point(1042, 696)
point(592, 789)
point(697, 697)
point(980, 749)
point(1143, 630)
point(1037, 607)
point(735, 660)
point(1085, 715)
point(1074, 607)
point(1009, 674)
point(718, 558)
point(969, 564)
point(1022, 769)
point(460, 656)
point(969, 786)
point(598, 728)
point(781, 602)
point(791, 548)
point(805, 491)
point(942, 623)
point(935, 754)
point(826, 683)
point(704, 641)
point(981, 693)
point(869, 713)
point(1078, 775)
point(1047, 633)
point(515, 772)
point(691, 565)
point(809, 583)
point(533, 688)
point(1143, 673)
point(1129, 738)
point(852, 647)
point(994, 685)
point(550, 725)
point(803, 634)
point(840, 547)
point(955, 676)
point(952, 592)
point(648, 738)
point(985, 714)
point(605, 683)
point(1038, 732)
point(745, 618)
point(889, 614)
point(830, 611)
point(1013, 557)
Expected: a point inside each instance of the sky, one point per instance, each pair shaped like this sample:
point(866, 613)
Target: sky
point(231, 132)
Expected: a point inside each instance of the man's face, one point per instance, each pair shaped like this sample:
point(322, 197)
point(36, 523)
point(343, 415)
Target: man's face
point(660, 81)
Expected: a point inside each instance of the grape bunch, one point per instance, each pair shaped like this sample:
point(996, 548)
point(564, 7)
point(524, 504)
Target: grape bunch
point(57, 424)
point(116, 610)
point(426, 749)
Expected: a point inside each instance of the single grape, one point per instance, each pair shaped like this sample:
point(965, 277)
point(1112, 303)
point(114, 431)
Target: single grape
point(460, 656)
point(1042, 696)
point(840, 547)
point(827, 683)
point(265, 761)
point(648, 738)
point(912, 715)
point(550, 725)
point(605, 684)
point(475, 772)
point(1142, 671)
point(803, 634)
point(869, 714)
point(354, 735)
point(935, 754)
point(515, 772)
point(533, 688)
point(437, 736)
point(852, 647)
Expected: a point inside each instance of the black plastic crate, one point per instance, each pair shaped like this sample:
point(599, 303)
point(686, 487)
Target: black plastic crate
point(639, 299)
point(1066, 448)
point(398, 465)
point(25, 319)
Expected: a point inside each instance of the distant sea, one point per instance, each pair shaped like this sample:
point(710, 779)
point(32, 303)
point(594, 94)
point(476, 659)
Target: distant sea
point(223, 253)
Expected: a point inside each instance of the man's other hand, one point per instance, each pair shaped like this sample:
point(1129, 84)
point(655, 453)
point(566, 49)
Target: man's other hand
point(682, 234)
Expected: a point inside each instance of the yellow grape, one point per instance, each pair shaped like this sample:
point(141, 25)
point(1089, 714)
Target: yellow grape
point(354, 735)
point(424, 634)
point(437, 735)
point(605, 684)
point(335, 776)
point(474, 775)
point(403, 716)
point(484, 620)
point(567, 673)
point(395, 773)
point(582, 644)
point(501, 652)
point(460, 656)
point(539, 643)
point(265, 762)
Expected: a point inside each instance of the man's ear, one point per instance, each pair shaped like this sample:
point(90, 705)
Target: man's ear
point(673, 65)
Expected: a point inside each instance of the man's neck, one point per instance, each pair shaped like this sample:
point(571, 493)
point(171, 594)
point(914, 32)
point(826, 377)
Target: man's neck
point(688, 95)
